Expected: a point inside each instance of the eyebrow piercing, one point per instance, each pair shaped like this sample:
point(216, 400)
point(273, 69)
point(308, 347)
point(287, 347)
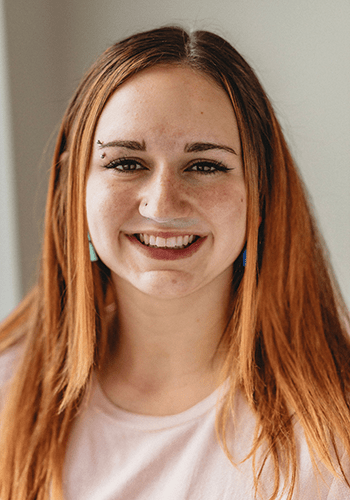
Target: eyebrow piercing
point(99, 143)
point(103, 155)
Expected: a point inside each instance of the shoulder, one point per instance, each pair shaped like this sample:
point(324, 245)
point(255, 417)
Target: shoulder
point(9, 360)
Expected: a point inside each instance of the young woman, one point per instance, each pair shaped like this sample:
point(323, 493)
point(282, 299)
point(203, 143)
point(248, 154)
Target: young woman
point(186, 338)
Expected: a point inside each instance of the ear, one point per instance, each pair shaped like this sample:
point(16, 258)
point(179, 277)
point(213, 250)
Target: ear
point(64, 156)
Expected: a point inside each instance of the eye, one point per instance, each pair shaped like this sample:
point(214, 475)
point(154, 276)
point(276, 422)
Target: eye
point(208, 167)
point(125, 165)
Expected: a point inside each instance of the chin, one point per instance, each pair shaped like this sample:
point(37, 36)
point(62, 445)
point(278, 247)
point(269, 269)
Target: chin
point(164, 284)
point(170, 288)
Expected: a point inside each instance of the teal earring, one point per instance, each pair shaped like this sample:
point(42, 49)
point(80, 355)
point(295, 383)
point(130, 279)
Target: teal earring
point(93, 255)
point(244, 257)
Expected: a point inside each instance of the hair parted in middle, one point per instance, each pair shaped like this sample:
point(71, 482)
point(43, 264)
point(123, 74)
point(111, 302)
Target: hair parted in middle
point(285, 337)
point(202, 51)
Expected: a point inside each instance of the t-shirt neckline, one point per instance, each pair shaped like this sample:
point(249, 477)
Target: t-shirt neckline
point(101, 403)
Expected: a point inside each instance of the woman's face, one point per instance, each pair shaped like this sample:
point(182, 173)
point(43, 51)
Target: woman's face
point(165, 197)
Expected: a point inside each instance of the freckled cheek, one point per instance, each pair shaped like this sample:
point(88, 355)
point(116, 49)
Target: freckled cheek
point(106, 206)
point(224, 205)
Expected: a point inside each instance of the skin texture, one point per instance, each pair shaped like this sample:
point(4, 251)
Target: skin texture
point(171, 312)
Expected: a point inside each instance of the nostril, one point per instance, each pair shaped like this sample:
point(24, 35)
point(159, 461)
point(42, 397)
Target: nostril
point(160, 207)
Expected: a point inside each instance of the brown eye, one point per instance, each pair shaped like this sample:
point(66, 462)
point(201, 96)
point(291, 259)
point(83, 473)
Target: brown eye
point(124, 165)
point(208, 167)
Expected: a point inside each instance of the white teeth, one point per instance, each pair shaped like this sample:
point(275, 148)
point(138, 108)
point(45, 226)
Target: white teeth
point(173, 242)
point(160, 242)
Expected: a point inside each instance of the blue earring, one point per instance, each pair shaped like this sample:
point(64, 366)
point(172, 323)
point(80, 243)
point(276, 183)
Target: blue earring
point(244, 257)
point(93, 255)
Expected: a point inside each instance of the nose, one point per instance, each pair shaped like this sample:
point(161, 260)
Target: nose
point(163, 199)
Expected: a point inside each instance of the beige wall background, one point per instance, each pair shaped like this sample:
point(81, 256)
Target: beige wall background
point(300, 49)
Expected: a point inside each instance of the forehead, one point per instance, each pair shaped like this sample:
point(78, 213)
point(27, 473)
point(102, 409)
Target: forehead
point(170, 101)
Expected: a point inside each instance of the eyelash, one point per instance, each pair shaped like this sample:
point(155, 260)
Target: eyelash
point(219, 167)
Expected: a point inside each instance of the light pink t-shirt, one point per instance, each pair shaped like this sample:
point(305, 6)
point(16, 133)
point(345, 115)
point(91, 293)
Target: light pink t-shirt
point(116, 455)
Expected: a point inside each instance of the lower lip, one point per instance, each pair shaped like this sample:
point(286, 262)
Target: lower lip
point(168, 253)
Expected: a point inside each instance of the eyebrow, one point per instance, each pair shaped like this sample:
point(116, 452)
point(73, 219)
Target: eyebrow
point(194, 147)
point(134, 145)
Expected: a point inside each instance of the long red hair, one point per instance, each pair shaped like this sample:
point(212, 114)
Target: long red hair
point(286, 339)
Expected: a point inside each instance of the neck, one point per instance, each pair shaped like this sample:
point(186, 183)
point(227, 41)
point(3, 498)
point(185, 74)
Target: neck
point(167, 345)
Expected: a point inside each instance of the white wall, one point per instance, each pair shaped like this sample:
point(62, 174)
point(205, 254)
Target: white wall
point(9, 264)
point(300, 50)
point(35, 76)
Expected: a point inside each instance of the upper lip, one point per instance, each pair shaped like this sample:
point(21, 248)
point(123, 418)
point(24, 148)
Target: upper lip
point(164, 234)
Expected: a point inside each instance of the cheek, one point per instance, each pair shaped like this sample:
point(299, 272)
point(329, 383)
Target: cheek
point(225, 205)
point(105, 205)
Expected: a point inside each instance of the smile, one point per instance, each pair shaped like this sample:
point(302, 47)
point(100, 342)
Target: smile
point(167, 246)
point(175, 242)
